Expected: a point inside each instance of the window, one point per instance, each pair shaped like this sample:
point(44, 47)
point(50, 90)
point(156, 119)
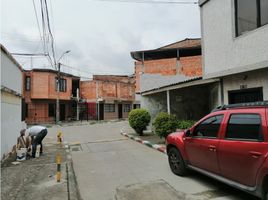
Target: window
point(244, 127)
point(62, 84)
point(136, 106)
point(264, 12)
point(209, 127)
point(109, 108)
point(127, 107)
point(250, 14)
point(51, 110)
point(27, 83)
point(26, 109)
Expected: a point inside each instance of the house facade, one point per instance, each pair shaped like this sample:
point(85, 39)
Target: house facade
point(40, 94)
point(107, 97)
point(169, 79)
point(11, 98)
point(235, 48)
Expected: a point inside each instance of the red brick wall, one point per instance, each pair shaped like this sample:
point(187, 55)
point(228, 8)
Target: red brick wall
point(188, 66)
point(38, 111)
point(113, 89)
point(43, 86)
point(191, 66)
point(42, 92)
point(88, 90)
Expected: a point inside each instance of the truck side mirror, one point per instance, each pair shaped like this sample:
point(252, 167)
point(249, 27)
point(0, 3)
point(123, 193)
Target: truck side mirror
point(187, 133)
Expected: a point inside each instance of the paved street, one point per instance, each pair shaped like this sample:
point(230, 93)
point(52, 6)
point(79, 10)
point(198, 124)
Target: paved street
point(110, 166)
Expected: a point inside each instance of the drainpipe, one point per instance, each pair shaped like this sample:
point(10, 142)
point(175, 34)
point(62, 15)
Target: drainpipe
point(142, 62)
point(98, 102)
point(221, 92)
point(168, 102)
point(77, 107)
point(178, 61)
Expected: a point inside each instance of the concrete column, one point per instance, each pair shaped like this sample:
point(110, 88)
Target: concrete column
point(221, 92)
point(168, 102)
point(77, 112)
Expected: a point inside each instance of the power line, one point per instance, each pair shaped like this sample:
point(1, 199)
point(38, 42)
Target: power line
point(36, 16)
point(50, 32)
point(29, 54)
point(150, 1)
point(90, 72)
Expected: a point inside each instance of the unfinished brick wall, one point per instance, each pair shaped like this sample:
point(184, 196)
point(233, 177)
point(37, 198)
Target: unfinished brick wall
point(88, 90)
point(188, 66)
point(191, 66)
point(43, 86)
point(43, 92)
point(109, 88)
point(38, 111)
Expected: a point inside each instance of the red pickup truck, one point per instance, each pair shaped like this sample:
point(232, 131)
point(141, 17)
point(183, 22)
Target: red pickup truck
point(230, 144)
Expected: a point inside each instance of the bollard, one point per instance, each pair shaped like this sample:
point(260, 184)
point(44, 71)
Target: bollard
point(58, 161)
point(59, 135)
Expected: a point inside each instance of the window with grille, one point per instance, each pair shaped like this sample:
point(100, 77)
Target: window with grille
point(109, 108)
point(62, 84)
point(127, 107)
point(27, 83)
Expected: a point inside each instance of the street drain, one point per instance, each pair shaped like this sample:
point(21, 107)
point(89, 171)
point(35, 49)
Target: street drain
point(76, 147)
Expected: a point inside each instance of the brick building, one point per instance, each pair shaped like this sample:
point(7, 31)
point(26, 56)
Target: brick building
point(179, 58)
point(40, 94)
point(107, 97)
point(169, 79)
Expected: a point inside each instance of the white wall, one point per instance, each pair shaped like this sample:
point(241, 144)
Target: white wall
point(11, 76)
point(253, 79)
point(10, 121)
point(223, 53)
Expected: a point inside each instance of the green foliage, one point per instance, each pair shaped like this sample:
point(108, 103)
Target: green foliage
point(164, 124)
point(138, 119)
point(185, 124)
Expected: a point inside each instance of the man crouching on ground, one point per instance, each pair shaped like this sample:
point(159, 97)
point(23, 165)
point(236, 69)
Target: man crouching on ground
point(37, 134)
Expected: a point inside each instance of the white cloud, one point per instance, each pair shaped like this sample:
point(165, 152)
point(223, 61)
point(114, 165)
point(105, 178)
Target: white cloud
point(100, 35)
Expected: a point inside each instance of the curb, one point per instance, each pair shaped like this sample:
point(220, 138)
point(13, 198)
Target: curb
point(157, 147)
point(72, 186)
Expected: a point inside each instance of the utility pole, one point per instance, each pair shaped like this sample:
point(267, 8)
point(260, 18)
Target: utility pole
point(58, 98)
point(58, 88)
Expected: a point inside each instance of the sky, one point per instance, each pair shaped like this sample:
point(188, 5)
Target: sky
point(99, 34)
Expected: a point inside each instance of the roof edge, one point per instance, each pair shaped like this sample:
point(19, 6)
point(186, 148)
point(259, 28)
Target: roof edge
point(49, 70)
point(4, 49)
point(202, 2)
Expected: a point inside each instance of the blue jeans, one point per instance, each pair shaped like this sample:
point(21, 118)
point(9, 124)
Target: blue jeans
point(38, 140)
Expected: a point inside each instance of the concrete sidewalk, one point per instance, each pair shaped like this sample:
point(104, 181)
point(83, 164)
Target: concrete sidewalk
point(36, 178)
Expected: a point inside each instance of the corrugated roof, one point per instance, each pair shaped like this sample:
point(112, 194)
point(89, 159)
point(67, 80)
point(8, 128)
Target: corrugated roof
point(186, 47)
point(151, 82)
point(186, 43)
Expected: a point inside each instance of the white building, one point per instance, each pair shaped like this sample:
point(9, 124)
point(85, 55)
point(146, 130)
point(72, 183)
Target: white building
point(235, 48)
point(11, 97)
